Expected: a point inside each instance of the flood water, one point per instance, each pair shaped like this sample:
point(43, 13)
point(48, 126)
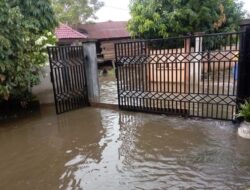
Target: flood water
point(108, 87)
point(105, 149)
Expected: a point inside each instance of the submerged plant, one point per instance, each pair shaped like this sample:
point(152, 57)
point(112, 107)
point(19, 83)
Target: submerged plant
point(245, 111)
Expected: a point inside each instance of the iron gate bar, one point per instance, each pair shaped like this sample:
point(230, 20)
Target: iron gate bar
point(68, 76)
point(169, 76)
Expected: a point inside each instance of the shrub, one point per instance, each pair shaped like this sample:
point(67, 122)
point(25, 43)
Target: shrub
point(245, 111)
point(24, 35)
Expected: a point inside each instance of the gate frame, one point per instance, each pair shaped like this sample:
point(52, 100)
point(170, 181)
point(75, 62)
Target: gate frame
point(242, 91)
point(57, 54)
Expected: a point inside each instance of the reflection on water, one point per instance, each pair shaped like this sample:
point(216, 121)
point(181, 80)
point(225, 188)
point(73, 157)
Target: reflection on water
point(104, 149)
point(108, 88)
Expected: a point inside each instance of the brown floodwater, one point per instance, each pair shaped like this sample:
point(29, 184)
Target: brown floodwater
point(108, 88)
point(104, 149)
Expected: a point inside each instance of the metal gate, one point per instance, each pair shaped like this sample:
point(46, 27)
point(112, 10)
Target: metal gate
point(193, 76)
point(68, 76)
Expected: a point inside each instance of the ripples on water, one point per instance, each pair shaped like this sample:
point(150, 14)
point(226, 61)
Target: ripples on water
point(103, 149)
point(108, 88)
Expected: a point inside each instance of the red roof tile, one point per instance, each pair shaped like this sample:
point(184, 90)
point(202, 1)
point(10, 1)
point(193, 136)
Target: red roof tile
point(105, 30)
point(66, 32)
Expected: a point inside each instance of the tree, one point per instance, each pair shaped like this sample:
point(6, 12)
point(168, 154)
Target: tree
point(75, 12)
point(163, 18)
point(26, 32)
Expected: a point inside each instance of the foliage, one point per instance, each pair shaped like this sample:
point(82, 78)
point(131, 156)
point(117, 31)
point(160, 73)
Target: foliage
point(75, 12)
point(23, 40)
point(163, 18)
point(245, 111)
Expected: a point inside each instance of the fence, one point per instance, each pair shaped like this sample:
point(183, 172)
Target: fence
point(68, 75)
point(191, 76)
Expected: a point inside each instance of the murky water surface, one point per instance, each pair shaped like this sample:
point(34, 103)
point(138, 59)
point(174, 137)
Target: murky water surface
point(104, 149)
point(108, 88)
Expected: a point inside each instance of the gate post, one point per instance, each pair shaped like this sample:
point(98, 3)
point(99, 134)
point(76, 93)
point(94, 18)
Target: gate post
point(196, 72)
point(243, 87)
point(89, 48)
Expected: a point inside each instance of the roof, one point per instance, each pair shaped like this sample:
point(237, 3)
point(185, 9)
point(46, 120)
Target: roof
point(105, 30)
point(66, 32)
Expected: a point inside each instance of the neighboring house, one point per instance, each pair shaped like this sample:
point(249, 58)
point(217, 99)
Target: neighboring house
point(106, 34)
point(68, 36)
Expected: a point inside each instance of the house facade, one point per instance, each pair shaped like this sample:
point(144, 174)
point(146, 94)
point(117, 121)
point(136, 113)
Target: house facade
point(106, 34)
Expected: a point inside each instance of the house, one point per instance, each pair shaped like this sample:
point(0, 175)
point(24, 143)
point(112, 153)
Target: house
point(106, 34)
point(68, 36)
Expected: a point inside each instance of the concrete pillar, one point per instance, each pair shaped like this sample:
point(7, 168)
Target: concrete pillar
point(187, 45)
point(196, 68)
point(91, 70)
point(187, 49)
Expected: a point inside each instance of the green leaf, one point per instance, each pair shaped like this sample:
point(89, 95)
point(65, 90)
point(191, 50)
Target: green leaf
point(181, 17)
